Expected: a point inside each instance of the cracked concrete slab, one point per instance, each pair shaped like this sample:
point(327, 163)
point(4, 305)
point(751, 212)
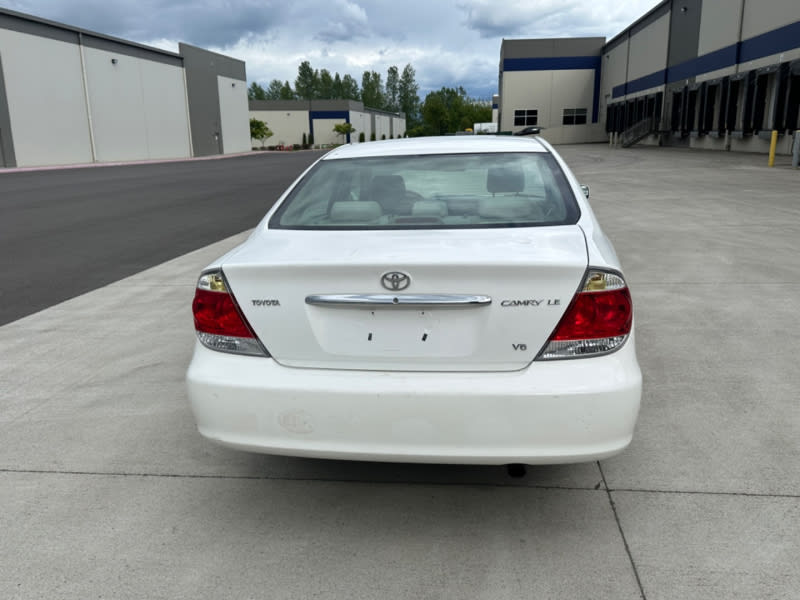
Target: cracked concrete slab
point(155, 537)
point(713, 546)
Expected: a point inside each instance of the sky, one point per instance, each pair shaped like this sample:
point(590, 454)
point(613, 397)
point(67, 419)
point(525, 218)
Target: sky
point(449, 43)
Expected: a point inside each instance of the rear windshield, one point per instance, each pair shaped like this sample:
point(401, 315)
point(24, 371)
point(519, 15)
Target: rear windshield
point(431, 191)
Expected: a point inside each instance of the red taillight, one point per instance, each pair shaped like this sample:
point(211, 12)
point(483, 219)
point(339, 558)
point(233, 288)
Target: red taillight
point(216, 313)
point(596, 315)
point(219, 323)
point(598, 320)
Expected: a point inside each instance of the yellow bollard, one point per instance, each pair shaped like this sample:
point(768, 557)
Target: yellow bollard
point(772, 145)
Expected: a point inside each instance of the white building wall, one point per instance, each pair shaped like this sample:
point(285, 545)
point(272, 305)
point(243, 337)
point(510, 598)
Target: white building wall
point(526, 90)
point(383, 125)
point(323, 132)
point(398, 126)
point(234, 115)
point(117, 106)
point(550, 92)
point(363, 123)
point(719, 25)
point(614, 70)
point(571, 89)
point(46, 101)
point(761, 16)
point(287, 126)
point(165, 110)
point(649, 49)
point(138, 107)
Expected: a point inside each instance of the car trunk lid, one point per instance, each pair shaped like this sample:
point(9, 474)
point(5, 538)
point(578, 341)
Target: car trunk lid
point(407, 300)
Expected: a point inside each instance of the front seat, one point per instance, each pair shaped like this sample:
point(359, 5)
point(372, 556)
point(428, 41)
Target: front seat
point(390, 192)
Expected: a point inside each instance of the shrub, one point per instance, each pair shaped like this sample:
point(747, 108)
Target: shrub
point(372, 137)
point(361, 137)
point(383, 137)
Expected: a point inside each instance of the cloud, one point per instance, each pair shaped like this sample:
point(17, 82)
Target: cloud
point(448, 43)
point(350, 22)
point(202, 23)
point(516, 17)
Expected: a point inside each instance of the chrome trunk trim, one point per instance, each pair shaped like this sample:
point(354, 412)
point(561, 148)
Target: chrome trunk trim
point(400, 300)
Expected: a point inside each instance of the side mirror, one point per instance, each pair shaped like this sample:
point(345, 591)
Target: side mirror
point(585, 189)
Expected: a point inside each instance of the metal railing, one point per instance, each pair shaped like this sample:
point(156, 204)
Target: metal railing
point(637, 132)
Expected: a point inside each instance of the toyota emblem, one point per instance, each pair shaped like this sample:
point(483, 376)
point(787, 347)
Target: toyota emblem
point(395, 281)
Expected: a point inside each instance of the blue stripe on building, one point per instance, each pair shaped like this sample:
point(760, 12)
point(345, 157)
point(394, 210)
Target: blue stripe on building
point(327, 114)
point(556, 63)
point(769, 43)
point(773, 42)
point(561, 63)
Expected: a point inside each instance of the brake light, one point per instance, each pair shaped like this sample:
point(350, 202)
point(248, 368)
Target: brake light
point(218, 321)
point(598, 320)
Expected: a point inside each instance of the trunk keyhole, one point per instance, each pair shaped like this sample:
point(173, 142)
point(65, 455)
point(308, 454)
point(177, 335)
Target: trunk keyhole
point(369, 337)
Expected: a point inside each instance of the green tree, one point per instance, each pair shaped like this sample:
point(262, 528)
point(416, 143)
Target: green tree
point(344, 129)
point(350, 89)
point(407, 94)
point(287, 93)
point(372, 90)
point(325, 91)
point(306, 85)
point(256, 92)
point(337, 87)
point(274, 90)
point(437, 112)
point(392, 94)
point(449, 110)
point(259, 131)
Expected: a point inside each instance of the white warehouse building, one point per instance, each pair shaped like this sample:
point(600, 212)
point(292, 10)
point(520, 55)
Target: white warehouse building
point(70, 96)
point(715, 74)
point(289, 120)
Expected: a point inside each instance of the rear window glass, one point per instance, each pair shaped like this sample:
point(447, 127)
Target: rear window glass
point(430, 191)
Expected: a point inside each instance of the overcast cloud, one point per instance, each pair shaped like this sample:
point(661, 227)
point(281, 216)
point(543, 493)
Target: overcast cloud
point(449, 43)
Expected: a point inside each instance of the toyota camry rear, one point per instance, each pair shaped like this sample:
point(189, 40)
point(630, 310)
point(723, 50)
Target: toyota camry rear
point(441, 300)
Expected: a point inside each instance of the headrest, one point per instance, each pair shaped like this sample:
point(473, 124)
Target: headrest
point(505, 180)
point(505, 207)
point(391, 186)
point(353, 211)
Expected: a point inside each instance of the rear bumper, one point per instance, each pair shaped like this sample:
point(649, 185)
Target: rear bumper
point(551, 412)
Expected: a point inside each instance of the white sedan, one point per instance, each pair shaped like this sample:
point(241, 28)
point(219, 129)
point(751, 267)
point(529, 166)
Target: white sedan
point(446, 300)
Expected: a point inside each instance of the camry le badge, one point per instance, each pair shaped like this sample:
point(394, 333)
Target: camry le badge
point(395, 281)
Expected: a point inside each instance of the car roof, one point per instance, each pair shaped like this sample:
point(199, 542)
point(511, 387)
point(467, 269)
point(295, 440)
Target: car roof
point(462, 144)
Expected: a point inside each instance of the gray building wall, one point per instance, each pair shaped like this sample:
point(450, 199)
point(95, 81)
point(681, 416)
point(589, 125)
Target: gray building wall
point(203, 68)
point(290, 119)
point(90, 98)
point(547, 79)
point(137, 103)
point(731, 74)
point(684, 31)
point(47, 112)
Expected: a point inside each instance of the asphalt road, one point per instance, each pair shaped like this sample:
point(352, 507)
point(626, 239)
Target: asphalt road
point(65, 232)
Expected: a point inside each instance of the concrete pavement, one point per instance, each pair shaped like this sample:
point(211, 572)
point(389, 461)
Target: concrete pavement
point(107, 490)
